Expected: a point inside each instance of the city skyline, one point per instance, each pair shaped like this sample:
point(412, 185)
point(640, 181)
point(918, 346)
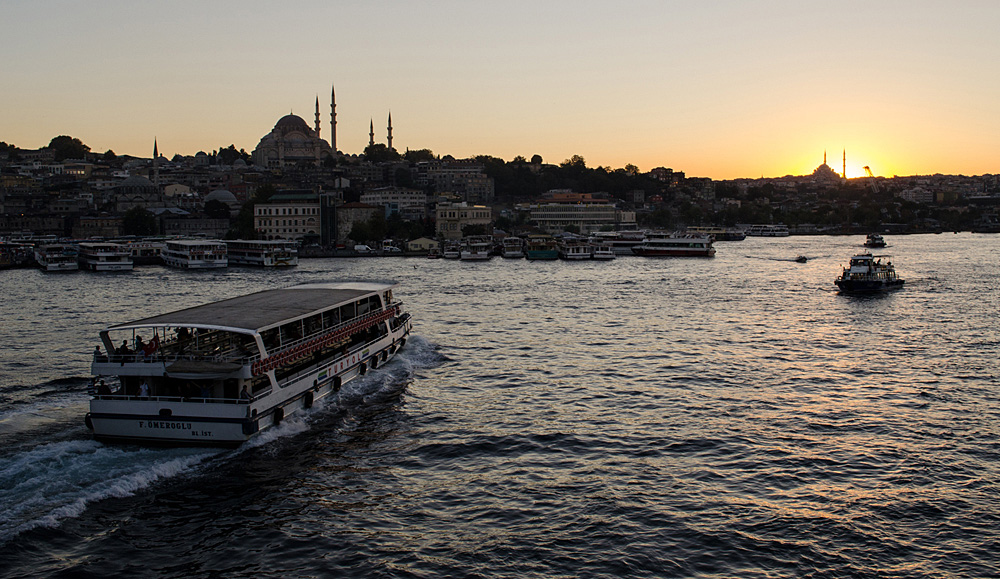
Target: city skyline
point(722, 90)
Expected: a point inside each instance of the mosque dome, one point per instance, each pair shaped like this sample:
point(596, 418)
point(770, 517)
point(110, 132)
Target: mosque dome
point(223, 195)
point(137, 182)
point(290, 123)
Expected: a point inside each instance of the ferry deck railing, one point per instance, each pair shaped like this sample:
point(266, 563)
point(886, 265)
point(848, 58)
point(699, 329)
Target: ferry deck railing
point(217, 347)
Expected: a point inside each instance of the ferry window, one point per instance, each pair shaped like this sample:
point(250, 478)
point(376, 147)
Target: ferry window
point(363, 307)
point(346, 312)
point(314, 324)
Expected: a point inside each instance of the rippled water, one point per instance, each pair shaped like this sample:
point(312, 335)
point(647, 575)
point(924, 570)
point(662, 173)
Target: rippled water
point(725, 417)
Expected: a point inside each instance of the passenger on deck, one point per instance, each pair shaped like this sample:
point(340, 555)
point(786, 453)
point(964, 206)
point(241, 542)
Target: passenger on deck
point(103, 389)
point(244, 395)
point(144, 390)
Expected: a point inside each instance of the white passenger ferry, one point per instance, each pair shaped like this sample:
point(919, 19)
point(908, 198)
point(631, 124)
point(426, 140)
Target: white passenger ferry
point(475, 248)
point(57, 257)
point(195, 254)
point(767, 231)
point(216, 374)
point(273, 253)
point(103, 256)
point(513, 247)
point(664, 244)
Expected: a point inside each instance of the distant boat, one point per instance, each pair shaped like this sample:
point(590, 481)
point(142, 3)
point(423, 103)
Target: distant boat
point(801, 259)
point(767, 231)
point(101, 256)
point(874, 240)
point(868, 274)
point(663, 244)
point(541, 247)
point(57, 257)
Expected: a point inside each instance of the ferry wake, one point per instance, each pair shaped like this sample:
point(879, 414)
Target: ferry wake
point(218, 373)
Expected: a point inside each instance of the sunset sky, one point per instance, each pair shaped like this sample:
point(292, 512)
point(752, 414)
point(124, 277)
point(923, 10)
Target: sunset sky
point(715, 88)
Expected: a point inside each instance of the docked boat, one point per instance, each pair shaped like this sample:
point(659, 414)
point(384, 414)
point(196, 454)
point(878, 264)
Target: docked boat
point(874, 240)
point(512, 247)
point(14, 255)
point(620, 242)
point(541, 247)
point(263, 253)
point(475, 249)
point(433, 253)
point(104, 256)
point(574, 249)
point(867, 273)
point(665, 244)
point(720, 233)
point(57, 257)
point(218, 373)
point(767, 231)
point(195, 254)
point(602, 252)
point(452, 250)
point(144, 251)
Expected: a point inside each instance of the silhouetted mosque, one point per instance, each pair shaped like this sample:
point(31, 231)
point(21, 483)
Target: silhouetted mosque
point(291, 142)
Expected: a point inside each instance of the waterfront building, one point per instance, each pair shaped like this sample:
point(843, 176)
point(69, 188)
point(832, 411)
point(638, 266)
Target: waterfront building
point(453, 217)
point(409, 203)
point(288, 215)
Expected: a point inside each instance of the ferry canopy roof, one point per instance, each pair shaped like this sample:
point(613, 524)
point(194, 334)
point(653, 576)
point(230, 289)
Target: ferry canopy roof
point(262, 310)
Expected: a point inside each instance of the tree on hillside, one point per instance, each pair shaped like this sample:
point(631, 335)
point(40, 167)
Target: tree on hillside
point(66, 147)
point(418, 155)
point(138, 221)
point(216, 209)
point(379, 153)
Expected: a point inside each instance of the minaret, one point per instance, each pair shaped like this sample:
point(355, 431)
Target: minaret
point(156, 166)
point(333, 120)
point(844, 174)
point(371, 133)
point(824, 156)
point(317, 116)
point(389, 139)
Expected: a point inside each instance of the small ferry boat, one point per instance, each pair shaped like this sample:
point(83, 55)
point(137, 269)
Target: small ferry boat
point(218, 373)
point(767, 231)
point(664, 244)
point(574, 249)
point(475, 249)
point(195, 254)
point(263, 253)
point(452, 250)
point(602, 252)
point(621, 242)
point(868, 274)
point(104, 256)
point(541, 247)
point(433, 253)
point(874, 240)
point(512, 247)
point(144, 251)
point(57, 257)
point(720, 233)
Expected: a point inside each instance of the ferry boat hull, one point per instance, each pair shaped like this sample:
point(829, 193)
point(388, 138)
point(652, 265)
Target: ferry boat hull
point(290, 378)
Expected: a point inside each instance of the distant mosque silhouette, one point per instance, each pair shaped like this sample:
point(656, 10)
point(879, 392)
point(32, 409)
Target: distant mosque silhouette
point(826, 173)
point(292, 143)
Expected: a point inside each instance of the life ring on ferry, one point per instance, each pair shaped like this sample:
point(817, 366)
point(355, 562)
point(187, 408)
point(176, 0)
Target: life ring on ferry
point(88, 421)
point(307, 400)
point(279, 415)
